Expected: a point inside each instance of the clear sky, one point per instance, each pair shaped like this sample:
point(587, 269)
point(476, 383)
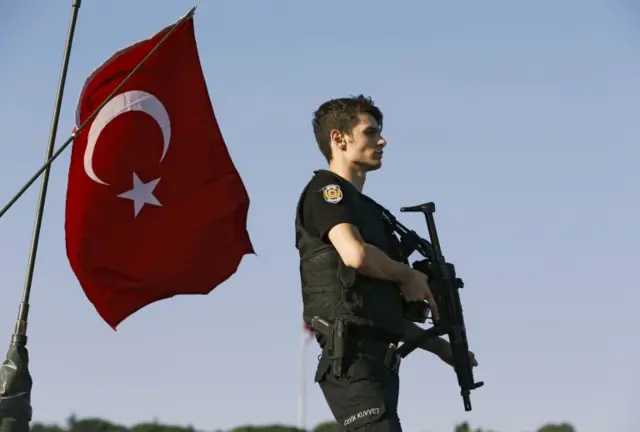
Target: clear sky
point(518, 119)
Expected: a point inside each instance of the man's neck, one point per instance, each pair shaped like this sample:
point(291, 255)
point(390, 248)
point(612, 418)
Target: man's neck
point(355, 176)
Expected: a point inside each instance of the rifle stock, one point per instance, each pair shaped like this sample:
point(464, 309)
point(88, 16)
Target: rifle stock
point(445, 286)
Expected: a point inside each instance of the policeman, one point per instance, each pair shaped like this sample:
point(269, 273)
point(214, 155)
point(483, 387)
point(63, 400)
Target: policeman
point(353, 278)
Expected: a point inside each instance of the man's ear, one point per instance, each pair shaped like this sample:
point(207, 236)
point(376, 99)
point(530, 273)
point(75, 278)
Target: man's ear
point(337, 139)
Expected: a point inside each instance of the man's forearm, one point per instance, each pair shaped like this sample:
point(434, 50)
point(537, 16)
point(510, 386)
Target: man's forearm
point(433, 345)
point(377, 264)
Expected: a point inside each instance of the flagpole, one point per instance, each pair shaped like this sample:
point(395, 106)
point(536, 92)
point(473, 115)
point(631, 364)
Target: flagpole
point(302, 396)
point(20, 333)
point(15, 379)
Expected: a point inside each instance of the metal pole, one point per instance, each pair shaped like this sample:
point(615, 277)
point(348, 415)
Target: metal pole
point(302, 392)
point(20, 333)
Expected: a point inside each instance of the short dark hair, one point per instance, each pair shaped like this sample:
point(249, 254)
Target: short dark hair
point(341, 114)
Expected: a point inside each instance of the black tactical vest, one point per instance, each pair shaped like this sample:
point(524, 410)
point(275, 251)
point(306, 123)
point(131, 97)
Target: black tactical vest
point(332, 290)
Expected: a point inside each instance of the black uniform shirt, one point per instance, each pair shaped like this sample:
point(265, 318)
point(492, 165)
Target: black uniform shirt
point(324, 205)
point(330, 200)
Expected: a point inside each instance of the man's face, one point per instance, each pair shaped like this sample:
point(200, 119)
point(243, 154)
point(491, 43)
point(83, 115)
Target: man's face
point(363, 147)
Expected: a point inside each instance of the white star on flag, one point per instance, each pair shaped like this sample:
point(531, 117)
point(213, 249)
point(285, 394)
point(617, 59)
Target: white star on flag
point(141, 194)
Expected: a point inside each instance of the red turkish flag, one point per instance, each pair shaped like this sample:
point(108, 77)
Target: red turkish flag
point(155, 206)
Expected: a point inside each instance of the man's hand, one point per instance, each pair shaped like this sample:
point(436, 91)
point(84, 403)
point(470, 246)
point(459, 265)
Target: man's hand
point(446, 355)
point(416, 288)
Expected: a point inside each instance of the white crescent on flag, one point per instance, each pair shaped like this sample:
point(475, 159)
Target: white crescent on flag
point(134, 100)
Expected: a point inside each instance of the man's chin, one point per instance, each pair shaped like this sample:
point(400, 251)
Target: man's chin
point(371, 165)
point(374, 165)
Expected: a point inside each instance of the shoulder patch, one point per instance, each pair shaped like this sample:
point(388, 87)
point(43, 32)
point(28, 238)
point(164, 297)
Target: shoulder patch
point(332, 193)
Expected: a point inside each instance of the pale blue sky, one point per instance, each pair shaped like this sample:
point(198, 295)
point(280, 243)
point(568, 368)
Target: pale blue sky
point(519, 119)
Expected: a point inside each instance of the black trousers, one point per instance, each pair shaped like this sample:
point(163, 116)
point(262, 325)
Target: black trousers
point(365, 398)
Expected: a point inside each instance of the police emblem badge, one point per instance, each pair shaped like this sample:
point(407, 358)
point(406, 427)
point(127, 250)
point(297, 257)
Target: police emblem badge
point(332, 193)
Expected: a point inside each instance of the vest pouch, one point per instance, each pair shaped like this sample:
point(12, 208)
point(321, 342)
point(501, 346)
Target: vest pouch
point(320, 284)
point(351, 301)
point(315, 265)
point(346, 275)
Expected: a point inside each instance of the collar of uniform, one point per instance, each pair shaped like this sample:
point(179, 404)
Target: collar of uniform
point(332, 173)
point(343, 181)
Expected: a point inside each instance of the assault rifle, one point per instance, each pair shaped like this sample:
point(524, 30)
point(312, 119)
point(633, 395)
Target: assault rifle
point(444, 286)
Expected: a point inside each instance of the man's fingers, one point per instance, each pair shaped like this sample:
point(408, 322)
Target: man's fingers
point(434, 312)
point(413, 296)
point(434, 307)
point(472, 357)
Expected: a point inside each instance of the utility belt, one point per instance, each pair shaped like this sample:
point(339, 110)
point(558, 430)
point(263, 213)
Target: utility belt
point(344, 339)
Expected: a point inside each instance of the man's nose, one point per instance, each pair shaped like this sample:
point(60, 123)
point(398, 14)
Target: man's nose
point(382, 143)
